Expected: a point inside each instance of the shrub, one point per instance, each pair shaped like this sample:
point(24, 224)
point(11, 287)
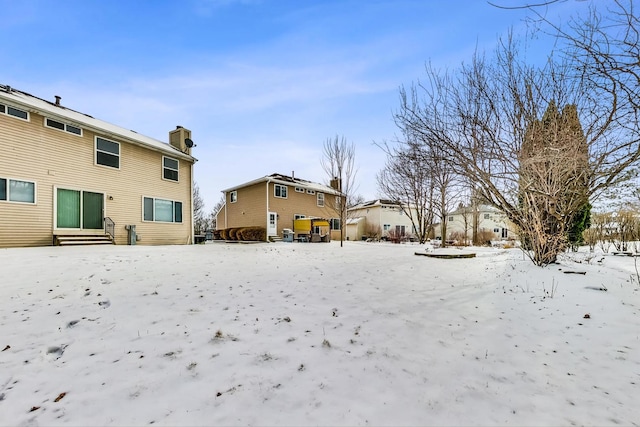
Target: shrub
point(232, 233)
point(485, 237)
point(459, 238)
point(251, 234)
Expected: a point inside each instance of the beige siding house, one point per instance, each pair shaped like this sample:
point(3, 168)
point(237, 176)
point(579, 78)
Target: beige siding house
point(66, 173)
point(275, 201)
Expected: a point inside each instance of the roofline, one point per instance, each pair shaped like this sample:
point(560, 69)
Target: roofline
point(95, 128)
point(269, 178)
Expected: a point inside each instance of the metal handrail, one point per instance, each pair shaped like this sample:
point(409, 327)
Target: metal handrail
point(110, 227)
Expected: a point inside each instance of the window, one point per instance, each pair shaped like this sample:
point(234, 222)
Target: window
point(386, 227)
point(298, 216)
point(311, 192)
point(299, 190)
point(496, 230)
point(334, 223)
point(107, 153)
point(13, 190)
point(63, 127)
point(320, 199)
point(170, 168)
point(10, 111)
point(450, 218)
point(233, 196)
point(280, 191)
point(487, 216)
point(161, 210)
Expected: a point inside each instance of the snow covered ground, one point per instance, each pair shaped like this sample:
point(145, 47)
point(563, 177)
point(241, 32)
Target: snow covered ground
point(315, 334)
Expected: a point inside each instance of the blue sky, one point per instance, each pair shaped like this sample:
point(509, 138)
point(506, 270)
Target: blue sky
point(260, 83)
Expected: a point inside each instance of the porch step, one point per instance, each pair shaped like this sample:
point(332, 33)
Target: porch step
point(274, 239)
point(69, 240)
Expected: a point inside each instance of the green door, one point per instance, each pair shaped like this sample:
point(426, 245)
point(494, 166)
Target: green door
point(79, 209)
point(92, 210)
point(68, 211)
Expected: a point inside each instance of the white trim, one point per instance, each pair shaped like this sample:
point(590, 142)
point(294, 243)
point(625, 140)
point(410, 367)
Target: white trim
point(6, 112)
point(173, 215)
point(172, 169)
point(65, 125)
point(95, 152)
point(80, 190)
point(8, 186)
point(286, 191)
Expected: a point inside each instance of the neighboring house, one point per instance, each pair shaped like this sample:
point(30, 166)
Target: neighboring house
point(66, 173)
point(378, 218)
point(489, 220)
point(275, 201)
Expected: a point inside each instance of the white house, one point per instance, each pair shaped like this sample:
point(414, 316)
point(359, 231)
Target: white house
point(490, 221)
point(378, 218)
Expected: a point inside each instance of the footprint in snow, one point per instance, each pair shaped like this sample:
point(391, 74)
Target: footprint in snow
point(105, 303)
point(55, 352)
point(72, 323)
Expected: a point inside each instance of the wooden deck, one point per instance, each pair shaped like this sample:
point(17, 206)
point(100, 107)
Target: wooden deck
point(447, 255)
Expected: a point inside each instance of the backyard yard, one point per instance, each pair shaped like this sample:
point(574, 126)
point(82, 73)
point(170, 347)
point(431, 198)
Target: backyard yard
point(304, 334)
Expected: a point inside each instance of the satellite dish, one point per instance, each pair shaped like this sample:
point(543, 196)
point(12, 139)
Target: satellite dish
point(188, 142)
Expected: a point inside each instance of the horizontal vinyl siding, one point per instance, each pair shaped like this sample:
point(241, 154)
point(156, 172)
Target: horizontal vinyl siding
point(299, 204)
point(54, 158)
point(24, 224)
point(140, 175)
point(250, 210)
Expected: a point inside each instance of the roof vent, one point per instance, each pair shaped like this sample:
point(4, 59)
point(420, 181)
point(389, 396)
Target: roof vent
point(58, 98)
point(8, 89)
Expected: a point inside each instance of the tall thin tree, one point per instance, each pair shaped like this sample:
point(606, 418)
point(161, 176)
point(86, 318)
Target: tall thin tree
point(338, 162)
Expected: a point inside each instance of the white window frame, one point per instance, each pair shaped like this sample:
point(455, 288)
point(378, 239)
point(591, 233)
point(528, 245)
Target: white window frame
point(177, 169)
point(451, 219)
point(311, 191)
point(233, 196)
point(5, 111)
point(299, 190)
point(320, 200)
point(8, 191)
point(280, 187)
point(153, 213)
point(386, 227)
point(96, 150)
point(65, 126)
point(298, 216)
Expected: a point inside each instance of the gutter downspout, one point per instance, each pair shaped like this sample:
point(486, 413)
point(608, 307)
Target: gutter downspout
point(192, 224)
point(225, 210)
point(267, 215)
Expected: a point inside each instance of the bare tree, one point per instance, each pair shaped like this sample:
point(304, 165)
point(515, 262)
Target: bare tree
point(199, 219)
point(481, 113)
point(214, 212)
point(338, 162)
point(407, 181)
